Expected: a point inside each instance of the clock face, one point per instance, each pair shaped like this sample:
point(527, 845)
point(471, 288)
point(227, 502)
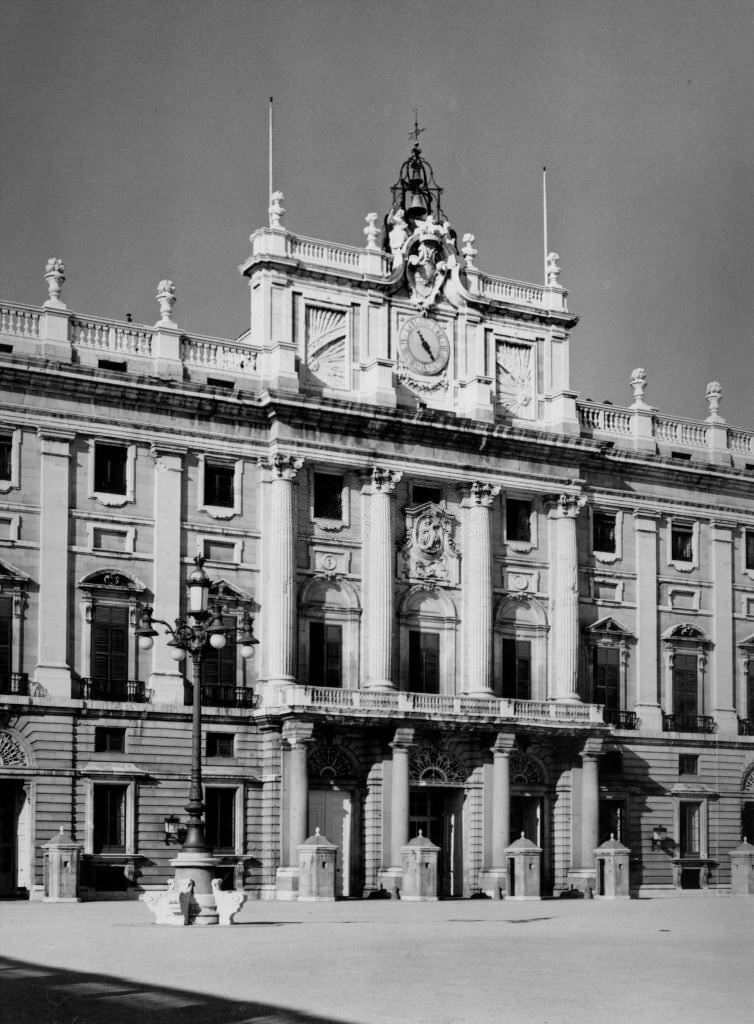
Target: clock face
point(423, 345)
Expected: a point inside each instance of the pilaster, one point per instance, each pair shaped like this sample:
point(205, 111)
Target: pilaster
point(564, 598)
point(167, 586)
point(378, 560)
point(52, 670)
point(722, 697)
point(585, 824)
point(477, 589)
point(647, 695)
point(279, 538)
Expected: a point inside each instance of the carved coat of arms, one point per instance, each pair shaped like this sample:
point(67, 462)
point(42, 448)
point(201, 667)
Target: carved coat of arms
point(428, 551)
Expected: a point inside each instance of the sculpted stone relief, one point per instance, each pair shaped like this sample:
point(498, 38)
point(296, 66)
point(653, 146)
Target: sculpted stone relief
point(428, 551)
point(326, 346)
point(515, 371)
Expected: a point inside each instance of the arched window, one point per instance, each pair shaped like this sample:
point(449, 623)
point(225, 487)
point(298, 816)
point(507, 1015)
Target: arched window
point(520, 650)
point(427, 642)
point(329, 634)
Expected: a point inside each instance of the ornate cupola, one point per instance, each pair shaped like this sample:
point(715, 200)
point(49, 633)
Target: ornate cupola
point(416, 192)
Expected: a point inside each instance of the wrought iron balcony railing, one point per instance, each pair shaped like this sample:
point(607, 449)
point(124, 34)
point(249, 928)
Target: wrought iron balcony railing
point(746, 727)
point(621, 719)
point(688, 723)
point(16, 683)
point(221, 695)
point(114, 689)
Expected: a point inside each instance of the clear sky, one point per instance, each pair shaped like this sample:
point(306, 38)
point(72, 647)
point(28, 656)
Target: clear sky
point(133, 144)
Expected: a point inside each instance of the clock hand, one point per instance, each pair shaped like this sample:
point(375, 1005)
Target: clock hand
point(426, 345)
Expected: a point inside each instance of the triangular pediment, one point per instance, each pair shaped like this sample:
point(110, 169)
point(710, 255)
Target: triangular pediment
point(608, 626)
point(10, 575)
point(223, 590)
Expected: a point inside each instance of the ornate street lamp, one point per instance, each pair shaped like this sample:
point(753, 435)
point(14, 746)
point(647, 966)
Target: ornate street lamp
point(202, 628)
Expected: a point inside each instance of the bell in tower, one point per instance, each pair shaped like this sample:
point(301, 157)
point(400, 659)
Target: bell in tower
point(416, 192)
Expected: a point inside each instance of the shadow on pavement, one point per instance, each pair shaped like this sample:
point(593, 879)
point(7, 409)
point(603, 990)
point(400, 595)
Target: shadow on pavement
point(30, 994)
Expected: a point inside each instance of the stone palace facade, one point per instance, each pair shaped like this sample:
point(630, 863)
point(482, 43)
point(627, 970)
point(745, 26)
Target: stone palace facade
point(485, 608)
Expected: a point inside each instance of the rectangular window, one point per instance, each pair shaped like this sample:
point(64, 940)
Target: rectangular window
point(219, 666)
point(423, 662)
point(606, 674)
point(328, 496)
point(6, 457)
point(109, 739)
point(219, 550)
point(750, 691)
point(749, 541)
point(420, 495)
point(220, 744)
point(603, 532)
point(219, 485)
point(325, 654)
point(682, 544)
point(110, 468)
point(518, 520)
point(685, 686)
point(109, 819)
point(6, 643)
point(516, 669)
point(220, 818)
point(110, 650)
point(689, 820)
point(688, 764)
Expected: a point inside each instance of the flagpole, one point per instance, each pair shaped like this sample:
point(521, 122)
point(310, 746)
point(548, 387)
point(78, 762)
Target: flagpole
point(544, 219)
point(269, 148)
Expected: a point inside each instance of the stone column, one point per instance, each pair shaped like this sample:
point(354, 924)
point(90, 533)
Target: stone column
point(477, 589)
point(297, 736)
point(379, 572)
point(564, 599)
point(721, 701)
point(52, 670)
point(401, 746)
point(168, 585)
point(586, 838)
point(647, 699)
point(493, 879)
point(279, 537)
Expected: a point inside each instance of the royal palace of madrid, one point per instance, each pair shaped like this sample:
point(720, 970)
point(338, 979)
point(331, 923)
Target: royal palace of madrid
point(481, 609)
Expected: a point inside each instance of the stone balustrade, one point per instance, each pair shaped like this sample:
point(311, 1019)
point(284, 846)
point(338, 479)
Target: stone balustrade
point(19, 321)
point(389, 704)
point(111, 337)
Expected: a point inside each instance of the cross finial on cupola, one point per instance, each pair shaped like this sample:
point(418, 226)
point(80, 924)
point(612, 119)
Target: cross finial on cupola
point(416, 131)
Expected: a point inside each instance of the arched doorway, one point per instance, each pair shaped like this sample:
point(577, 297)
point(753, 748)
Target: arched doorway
point(436, 805)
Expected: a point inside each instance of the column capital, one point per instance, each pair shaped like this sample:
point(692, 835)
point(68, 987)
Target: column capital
point(167, 456)
point(55, 442)
point(298, 733)
point(565, 506)
point(504, 744)
point(593, 747)
point(403, 738)
point(479, 494)
point(385, 480)
point(282, 465)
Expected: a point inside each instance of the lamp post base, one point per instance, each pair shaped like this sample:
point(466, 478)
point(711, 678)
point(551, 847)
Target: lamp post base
point(193, 896)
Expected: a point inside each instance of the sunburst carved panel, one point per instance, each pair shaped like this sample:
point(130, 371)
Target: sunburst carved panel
point(326, 346)
point(515, 378)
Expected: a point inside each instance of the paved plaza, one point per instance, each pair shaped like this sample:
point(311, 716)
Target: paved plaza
point(687, 959)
